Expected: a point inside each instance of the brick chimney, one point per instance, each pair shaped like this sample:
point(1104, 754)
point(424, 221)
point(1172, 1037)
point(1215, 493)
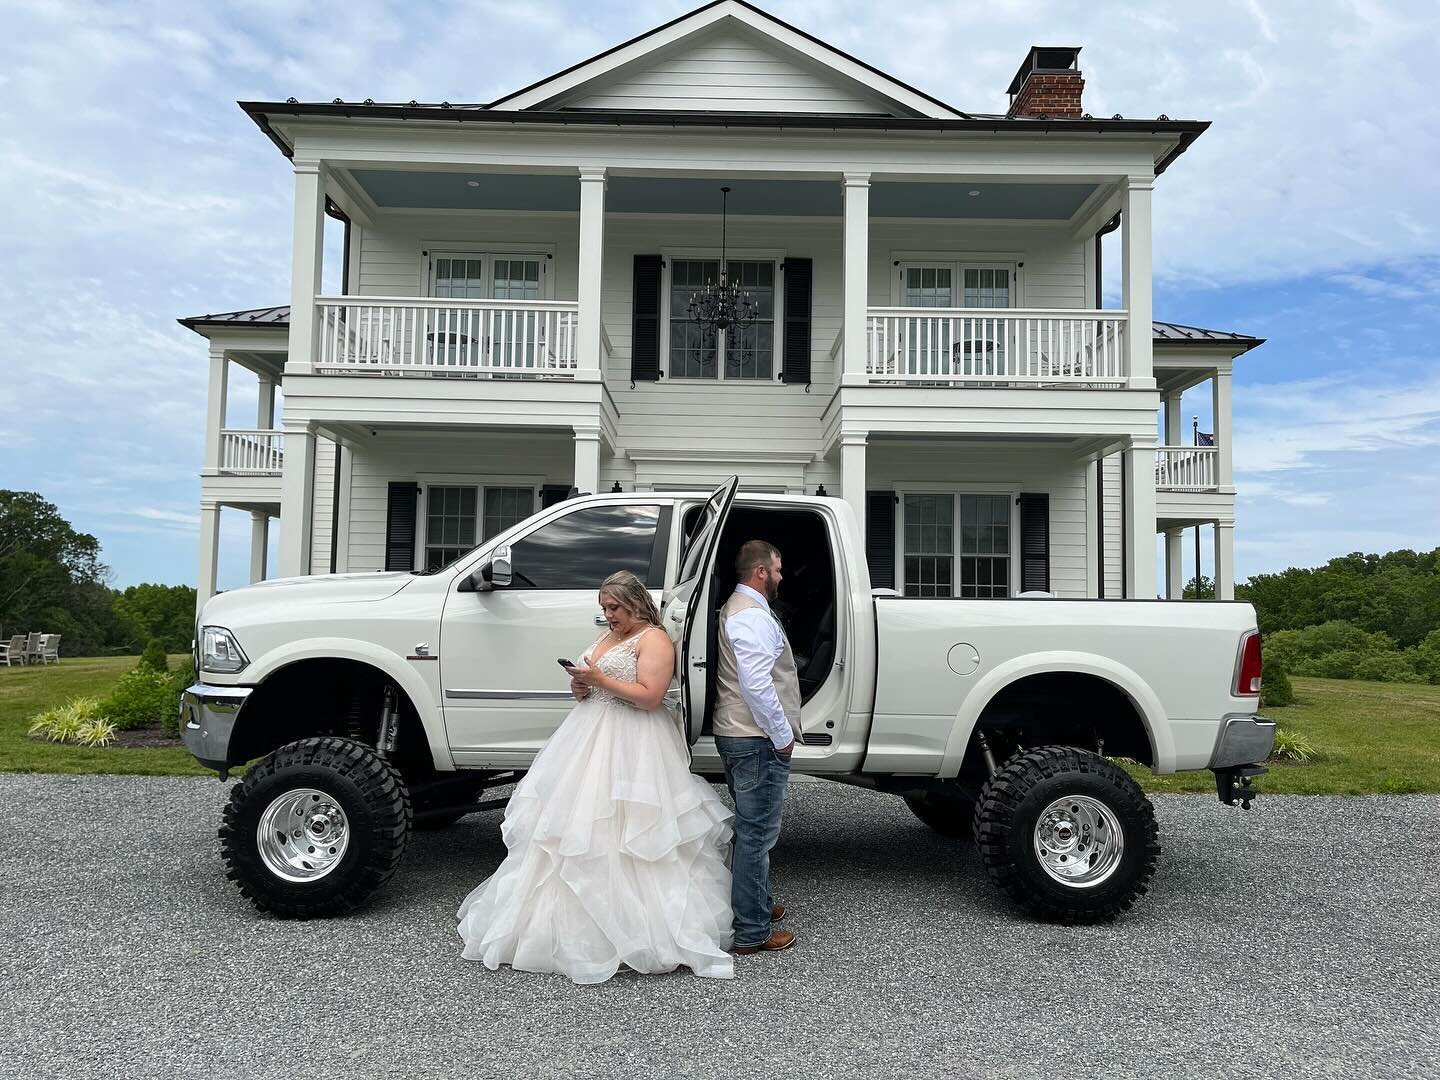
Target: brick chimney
point(1048, 84)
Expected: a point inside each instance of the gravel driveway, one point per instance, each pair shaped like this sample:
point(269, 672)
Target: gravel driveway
point(1302, 938)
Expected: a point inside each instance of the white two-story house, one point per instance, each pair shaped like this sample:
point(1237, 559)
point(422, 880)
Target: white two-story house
point(927, 342)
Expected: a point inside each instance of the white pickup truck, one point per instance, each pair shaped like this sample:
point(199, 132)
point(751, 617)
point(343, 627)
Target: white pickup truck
point(373, 703)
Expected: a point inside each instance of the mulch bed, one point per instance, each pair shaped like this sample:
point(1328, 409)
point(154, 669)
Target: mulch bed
point(148, 737)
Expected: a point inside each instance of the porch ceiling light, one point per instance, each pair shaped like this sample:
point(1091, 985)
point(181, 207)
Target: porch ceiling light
point(720, 305)
point(974, 193)
point(472, 183)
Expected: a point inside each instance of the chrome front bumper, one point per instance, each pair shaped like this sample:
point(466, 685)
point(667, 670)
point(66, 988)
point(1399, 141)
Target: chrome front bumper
point(1244, 740)
point(207, 720)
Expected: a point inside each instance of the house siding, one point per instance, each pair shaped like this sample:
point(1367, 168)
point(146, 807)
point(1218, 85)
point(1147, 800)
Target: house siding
point(727, 71)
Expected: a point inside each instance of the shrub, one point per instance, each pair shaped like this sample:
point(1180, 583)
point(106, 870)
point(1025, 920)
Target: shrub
point(1294, 647)
point(153, 658)
point(1427, 657)
point(79, 721)
point(1290, 745)
point(1275, 688)
point(180, 679)
point(141, 698)
point(1387, 667)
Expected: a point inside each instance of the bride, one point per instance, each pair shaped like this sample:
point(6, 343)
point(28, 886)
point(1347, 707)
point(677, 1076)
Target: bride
point(616, 851)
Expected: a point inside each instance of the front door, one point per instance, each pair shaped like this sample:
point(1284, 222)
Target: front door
point(688, 603)
point(503, 692)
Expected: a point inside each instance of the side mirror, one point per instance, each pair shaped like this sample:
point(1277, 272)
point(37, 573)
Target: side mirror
point(497, 570)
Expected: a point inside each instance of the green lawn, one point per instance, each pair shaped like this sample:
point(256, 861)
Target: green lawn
point(1369, 738)
point(25, 691)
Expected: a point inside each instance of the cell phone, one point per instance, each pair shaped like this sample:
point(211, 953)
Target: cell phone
point(565, 663)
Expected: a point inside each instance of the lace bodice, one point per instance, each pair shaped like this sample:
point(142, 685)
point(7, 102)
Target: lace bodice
point(619, 662)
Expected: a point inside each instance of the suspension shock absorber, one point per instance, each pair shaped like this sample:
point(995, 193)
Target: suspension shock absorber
point(986, 752)
point(389, 723)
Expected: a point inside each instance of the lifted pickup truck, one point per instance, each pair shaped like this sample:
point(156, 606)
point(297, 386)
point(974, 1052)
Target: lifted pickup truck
point(373, 703)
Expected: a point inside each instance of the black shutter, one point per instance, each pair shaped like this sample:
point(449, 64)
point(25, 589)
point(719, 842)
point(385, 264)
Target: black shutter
point(645, 320)
point(550, 494)
point(1035, 543)
point(400, 505)
point(880, 538)
point(795, 351)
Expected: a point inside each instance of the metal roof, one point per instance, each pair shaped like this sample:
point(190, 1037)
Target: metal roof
point(1165, 333)
point(1179, 334)
point(265, 316)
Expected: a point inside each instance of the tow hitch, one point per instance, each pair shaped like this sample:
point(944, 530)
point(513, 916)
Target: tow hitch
point(1233, 784)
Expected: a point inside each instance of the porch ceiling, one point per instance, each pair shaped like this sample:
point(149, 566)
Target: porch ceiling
point(419, 190)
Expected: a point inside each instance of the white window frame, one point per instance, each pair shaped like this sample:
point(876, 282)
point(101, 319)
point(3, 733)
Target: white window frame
point(957, 490)
point(444, 249)
point(667, 256)
point(480, 482)
point(957, 262)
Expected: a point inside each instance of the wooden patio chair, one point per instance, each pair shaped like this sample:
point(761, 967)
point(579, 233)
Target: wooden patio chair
point(49, 648)
point(13, 651)
point(32, 647)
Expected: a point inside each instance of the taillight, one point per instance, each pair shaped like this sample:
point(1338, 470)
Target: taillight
point(1247, 674)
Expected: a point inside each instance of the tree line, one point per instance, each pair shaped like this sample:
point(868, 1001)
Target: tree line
point(52, 581)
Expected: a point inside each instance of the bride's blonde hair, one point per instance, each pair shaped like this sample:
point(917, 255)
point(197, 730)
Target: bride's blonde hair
point(629, 592)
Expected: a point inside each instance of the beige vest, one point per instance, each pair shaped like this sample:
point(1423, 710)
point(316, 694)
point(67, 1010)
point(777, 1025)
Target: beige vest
point(732, 716)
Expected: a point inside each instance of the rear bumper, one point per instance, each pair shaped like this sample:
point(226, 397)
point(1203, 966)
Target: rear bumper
point(1243, 740)
point(207, 721)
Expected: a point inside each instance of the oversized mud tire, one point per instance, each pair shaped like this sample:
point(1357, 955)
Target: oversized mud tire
point(948, 815)
point(1067, 834)
point(315, 828)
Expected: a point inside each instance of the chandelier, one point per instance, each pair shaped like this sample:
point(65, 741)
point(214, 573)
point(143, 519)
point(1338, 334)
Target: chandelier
point(719, 306)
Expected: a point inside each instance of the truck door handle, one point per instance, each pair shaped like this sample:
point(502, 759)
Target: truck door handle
point(698, 664)
point(600, 620)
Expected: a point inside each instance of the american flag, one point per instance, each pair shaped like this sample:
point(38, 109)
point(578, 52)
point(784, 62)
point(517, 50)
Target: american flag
point(1203, 438)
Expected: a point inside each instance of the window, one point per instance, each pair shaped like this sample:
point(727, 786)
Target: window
point(509, 341)
point(583, 548)
point(932, 285)
point(451, 517)
point(749, 350)
point(931, 524)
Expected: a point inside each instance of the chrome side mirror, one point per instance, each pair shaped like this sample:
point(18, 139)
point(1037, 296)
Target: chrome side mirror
point(498, 569)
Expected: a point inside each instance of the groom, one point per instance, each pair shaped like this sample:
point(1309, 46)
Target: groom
point(757, 722)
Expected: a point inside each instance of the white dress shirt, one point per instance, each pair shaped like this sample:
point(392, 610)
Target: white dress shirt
point(758, 640)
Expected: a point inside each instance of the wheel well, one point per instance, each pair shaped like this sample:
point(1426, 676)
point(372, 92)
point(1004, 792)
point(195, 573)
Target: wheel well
point(1068, 708)
point(328, 696)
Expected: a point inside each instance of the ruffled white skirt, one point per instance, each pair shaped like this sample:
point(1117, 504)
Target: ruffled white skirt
point(616, 854)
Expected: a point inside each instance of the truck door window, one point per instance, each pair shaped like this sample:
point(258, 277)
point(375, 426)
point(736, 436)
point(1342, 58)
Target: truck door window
point(583, 548)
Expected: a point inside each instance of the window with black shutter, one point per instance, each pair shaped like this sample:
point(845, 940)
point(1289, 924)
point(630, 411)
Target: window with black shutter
point(645, 320)
point(400, 506)
point(880, 538)
point(795, 359)
point(1035, 542)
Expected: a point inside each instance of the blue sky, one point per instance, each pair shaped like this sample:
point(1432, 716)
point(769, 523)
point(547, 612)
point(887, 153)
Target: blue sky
point(135, 192)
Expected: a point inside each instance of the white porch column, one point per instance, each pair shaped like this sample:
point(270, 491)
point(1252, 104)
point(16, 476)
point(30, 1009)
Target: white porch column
point(297, 501)
point(265, 410)
point(1224, 458)
point(1135, 274)
point(857, 284)
point(215, 408)
point(1175, 564)
point(1139, 463)
point(592, 266)
point(308, 261)
point(852, 474)
point(587, 461)
point(209, 554)
point(1224, 558)
point(1172, 418)
point(259, 545)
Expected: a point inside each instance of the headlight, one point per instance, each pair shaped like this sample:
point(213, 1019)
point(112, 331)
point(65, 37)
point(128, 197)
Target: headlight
point(220, 652)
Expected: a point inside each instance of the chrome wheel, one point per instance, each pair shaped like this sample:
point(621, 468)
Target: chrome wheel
point(302, 835)
point(1079, 841)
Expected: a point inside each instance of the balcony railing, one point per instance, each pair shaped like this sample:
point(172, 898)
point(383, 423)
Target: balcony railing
point(245, 452)
point(996, 347)
point(1186, 468)
point(457, 339)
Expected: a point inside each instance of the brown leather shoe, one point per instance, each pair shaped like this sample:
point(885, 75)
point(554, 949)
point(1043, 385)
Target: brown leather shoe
point(777, 913)
point(779, 941)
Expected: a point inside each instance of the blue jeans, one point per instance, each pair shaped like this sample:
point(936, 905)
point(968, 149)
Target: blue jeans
point(757, 775)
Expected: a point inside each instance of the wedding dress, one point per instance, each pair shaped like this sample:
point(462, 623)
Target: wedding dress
point(616, 852)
